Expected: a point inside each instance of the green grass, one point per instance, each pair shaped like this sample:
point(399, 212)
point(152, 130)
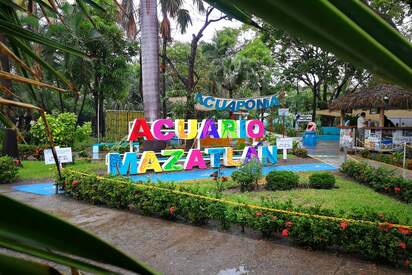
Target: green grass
point(347, 196)
point(33, 169)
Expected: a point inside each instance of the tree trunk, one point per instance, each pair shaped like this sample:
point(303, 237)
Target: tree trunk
point(190, 83)
point(163, 78)
point(101, 115)
point(150, 58)
point(314, 102)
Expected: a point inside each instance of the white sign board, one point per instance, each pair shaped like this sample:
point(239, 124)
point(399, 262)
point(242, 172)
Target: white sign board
point(283, 111)
point(284, 143)
point(63, 154)
point(305, 118)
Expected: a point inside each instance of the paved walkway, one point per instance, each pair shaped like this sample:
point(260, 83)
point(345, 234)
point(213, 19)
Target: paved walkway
point(175, 248)
point(405, 173)
point(328, 152)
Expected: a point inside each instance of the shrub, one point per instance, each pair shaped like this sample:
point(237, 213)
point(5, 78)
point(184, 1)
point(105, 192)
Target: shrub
point(322, 181)
point(380, 179)
point(248, 175)
point(281, 180)
point(376, 239)
point(8, 170)
point(27, 150)
point(64, 130)
point(298, 151)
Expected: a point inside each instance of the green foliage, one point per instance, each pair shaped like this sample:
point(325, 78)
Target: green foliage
point(248, 175)
point(8, 170)
point(322, 180)
point(63, 128)
point(380, 179)
point(370, 240)
point(298, 151)
point(28, 150)
point(281, 180)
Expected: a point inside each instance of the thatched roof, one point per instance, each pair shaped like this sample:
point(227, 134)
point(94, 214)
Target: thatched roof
point(374, 97)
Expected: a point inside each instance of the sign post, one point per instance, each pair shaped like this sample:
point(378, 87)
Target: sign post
point(284, 144)
point(283, 112)
point(64, 155)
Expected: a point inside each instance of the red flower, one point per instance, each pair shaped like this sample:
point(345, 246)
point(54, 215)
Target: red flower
point(64, 183)
point(75, 182)
point(288, 224)
point(172, 210)
point(385, 226)
point(386, 188)
point(404, 230)
point(343, 225)
point(402, 245)
point(17, 162)
point(285, 233)
point(258, 214)
point(406, 263)
point(397, 189)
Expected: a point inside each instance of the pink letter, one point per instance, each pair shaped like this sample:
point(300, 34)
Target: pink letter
point(251, 128)
point(157, 129)
point(194, 158)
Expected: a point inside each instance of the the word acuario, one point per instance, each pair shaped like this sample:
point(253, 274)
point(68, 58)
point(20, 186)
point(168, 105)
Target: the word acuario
point(208, 128)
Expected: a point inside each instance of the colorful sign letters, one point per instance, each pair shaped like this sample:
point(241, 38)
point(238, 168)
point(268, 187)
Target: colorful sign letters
point(176, 159)
point(210, 103)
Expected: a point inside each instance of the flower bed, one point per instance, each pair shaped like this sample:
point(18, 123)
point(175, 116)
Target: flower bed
point(380, 179)
point(374, 239)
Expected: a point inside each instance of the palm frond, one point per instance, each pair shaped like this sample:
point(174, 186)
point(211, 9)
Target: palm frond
point(13, 77)
point(16, 31)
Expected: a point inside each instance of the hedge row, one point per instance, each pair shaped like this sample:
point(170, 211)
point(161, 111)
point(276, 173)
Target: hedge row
point(375, 241)
point(380, 179)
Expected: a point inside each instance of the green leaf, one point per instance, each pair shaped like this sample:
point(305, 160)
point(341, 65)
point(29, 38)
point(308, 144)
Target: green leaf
point(14, 30)
point(13, 265)
point(28, 51)
point(345, 27)
point(93, 4)
point(29, 230)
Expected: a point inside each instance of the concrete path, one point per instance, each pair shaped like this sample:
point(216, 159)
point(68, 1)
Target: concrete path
point(327, 152)
point(405, 173)
point(175, 248)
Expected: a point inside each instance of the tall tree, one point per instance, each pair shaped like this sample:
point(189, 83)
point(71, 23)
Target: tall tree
point(150, 58)
point(191, 79)
point(174, 9)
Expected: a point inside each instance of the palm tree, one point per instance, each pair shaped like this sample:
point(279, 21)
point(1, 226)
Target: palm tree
point(150, 58)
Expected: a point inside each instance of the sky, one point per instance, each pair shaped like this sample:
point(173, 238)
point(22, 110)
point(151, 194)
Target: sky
point(197, 21)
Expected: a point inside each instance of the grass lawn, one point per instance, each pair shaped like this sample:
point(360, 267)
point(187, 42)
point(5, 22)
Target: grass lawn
point(33, 169)
point(348, 196)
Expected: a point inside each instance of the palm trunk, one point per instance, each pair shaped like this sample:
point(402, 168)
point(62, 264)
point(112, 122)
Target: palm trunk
point(150, 58)
point(163, 78)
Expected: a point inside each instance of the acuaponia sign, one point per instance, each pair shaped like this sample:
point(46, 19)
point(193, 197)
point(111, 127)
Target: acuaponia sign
point(210, 103)
point(177, 159)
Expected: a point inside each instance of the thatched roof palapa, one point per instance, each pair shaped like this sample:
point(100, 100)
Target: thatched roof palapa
point(389, 97)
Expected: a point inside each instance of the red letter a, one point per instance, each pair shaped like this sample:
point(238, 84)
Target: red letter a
point(138, 125)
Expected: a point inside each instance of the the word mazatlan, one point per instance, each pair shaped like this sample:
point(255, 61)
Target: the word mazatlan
point(177, 159)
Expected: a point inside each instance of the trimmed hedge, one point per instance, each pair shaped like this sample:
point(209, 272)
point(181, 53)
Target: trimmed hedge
point(281, 180)
point(375, 241)
point(8, 170)
point(322, 180)
point(380, 179)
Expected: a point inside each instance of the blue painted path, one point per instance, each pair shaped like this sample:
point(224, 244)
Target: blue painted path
point(204, 174)
point(46, 189)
